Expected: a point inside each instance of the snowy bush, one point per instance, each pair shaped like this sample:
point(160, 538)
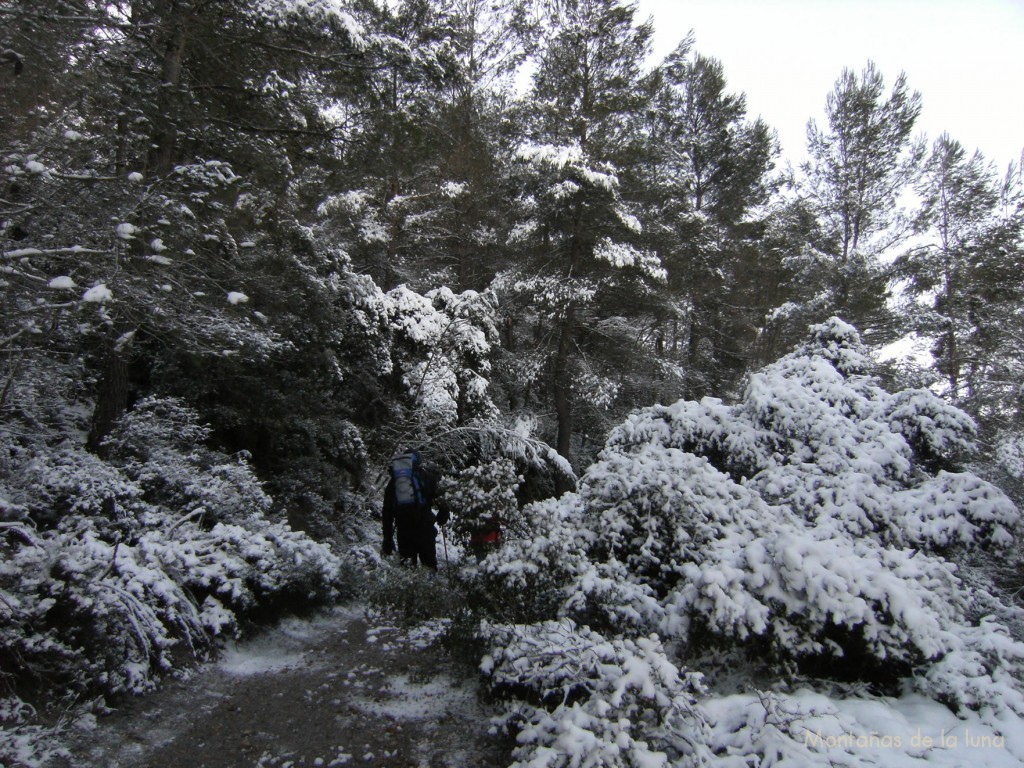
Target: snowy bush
point(69, 482)
point(548, 572)
point(940, 436)
point(483, 496)
point(596, 702)
point(246, 566)
point(528, 578)
point(93, 614)
point(21, 742)
point(160, 445)
point(89, 613)
point(1007, 462)
point(818, 519)
point(812, 471)
point(812, 729)
point(1010, 454)
point(121, 569)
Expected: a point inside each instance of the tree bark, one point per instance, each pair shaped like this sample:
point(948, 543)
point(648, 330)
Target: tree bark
point(510, 334)
point(563, 395)
point(692, 361)
point(165, 134)
point(111, 401)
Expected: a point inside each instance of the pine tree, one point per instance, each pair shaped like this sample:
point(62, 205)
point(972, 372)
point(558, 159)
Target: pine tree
point(386, 195)
point(494, 40)
point(136, 232)
point(969, 270)
point(576, 241)
point(708, 176)
point(859, 166)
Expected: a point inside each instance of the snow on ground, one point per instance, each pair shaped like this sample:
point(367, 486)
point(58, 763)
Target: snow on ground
point(282, 649)
point(417, 700)
point(327, 691)
point(345, 688)
point(808, 729)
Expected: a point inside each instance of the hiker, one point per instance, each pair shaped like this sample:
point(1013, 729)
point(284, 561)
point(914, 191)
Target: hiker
point(485, 537)
point(408, 499)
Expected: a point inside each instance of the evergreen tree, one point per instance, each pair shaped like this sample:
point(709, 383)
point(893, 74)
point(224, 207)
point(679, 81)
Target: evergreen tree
point(969, 271)
point(382, 207)
point(859, 166)
point(155, 196)
point(492, 41)
point(708, 179)
point(580, 261)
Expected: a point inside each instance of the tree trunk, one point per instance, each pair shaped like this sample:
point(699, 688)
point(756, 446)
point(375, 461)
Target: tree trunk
point(389, 273)
point(111, 401)
point(165, 134)
point(953, 355)
point(691, 389)
point(563, 395)
point(467, 276)
point(952, 349)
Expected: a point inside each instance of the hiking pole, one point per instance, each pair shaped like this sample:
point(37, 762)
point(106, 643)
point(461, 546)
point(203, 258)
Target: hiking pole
point(447, 565)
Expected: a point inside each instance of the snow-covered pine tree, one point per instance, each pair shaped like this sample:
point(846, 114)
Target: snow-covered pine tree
point(860, 164)
point(576, 242)
point(975, 229)
point(707, 176)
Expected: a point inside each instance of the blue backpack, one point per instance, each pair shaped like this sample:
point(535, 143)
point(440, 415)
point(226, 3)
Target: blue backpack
point(408, 488)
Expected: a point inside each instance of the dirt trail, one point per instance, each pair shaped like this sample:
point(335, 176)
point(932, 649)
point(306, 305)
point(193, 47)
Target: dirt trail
point(334, 690)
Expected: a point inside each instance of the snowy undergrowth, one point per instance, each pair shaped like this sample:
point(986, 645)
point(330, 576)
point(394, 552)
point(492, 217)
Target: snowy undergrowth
point(115, 571)
point(818, 526)
point(592, 701)
point(808, 729)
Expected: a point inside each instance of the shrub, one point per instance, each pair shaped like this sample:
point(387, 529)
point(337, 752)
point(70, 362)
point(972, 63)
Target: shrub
point(811, 522)
point(595, 702)
point(121, 570)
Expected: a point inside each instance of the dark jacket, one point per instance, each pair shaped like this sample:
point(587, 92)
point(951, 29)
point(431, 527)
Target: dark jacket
point(413, 525)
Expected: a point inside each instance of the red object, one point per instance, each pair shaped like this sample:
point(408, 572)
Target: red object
point(486, 537)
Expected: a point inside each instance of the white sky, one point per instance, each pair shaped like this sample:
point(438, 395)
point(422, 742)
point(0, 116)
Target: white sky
point(966, 57)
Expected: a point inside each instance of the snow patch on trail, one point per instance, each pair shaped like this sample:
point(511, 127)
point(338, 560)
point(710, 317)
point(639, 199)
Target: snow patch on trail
point(412, 700)
point(284, 647)
point(408, 698)
point(419, 637)
point(249, 661)
point(326, 691)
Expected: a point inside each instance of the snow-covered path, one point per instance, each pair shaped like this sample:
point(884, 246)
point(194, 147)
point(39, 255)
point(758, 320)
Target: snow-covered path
point(329, 691)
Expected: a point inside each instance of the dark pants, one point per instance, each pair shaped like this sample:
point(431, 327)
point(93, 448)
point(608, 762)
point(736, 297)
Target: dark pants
point(416, 534)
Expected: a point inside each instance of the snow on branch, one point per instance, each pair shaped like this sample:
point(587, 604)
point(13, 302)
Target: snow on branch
point(623, 255)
